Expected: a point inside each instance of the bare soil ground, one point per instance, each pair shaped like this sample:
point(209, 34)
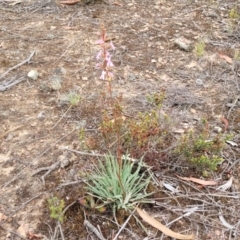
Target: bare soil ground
point(147, 60)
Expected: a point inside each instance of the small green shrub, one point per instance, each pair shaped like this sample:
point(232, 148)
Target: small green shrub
point(199, 151)
point(233, 14)
point(121, 187)
point(199, 49)
point(56, 207)
point(237, 54)
point(73, 97)
point(206, 162)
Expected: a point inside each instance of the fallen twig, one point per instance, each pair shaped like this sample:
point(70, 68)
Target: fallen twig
point(61, 231)
point(10, 130)
point(85, 153)
point(50, 169)
point(18, 65)
point(8, 84)
point(69, 183)
point(94, 230)
point(124, 225)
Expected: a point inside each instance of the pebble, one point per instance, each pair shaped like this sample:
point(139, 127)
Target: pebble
point(33, 74)
point(199, 82)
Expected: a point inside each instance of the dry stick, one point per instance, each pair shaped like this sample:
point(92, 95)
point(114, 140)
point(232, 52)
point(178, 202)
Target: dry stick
point(66, 208)
point(61, 117)
point(85, 153)
point(61, 231)
point(6, 184)
point(8, 84)
point(94, 230)
point(124, 225)
point(18, 65)
point(234, 104)
point(10, 130)
point(64, 53)
point(69, 183)
point(50, 169)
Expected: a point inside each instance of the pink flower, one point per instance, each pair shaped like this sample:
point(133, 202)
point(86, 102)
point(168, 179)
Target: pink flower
point(99, 54)
point(112, 46)
point(109, 61)
point(103, 75)
point(100, 41)
point(110, 74)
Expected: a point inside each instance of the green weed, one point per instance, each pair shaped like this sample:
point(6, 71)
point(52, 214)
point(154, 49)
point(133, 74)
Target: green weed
point(199, 48)
point(233, 14)
point(199, 151)
point(56, 207)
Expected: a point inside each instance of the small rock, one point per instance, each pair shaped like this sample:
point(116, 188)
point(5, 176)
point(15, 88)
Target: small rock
point(84, 78)
point(41, 115)
point(56, 83)
point(192, 110)
point(183, 43)
point(33, 74)
point(64, 161)
point(9, 137)
point(60, 71)
point(217, 129)
point(199, 82)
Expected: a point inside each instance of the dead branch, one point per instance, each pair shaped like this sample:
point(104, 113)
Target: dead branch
point(18, 65)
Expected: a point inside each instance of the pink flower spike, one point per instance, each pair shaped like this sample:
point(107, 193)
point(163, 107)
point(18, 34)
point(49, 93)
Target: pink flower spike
point(110, 74)
point(97, 66)
point(112, 46)
point(103, 75)
point(109, 62)
point(100, 41)
point(99, 55)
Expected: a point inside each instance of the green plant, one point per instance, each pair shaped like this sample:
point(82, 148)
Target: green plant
point(73, 97)
point(237, 54)
point(206, 162)
point(156, 99)
point(233, 14)
point(122, 187)
point(144, 129)
point(201, 152)
point(56, 207)
point(199, 48)
point(233, 19)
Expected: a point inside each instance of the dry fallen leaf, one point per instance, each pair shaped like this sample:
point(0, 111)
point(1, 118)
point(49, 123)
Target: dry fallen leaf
point(226, 185)
point(225, 223)
point(10, 130)
point(180, 131)
point(70, 2)
point(33, 236)
point(117, 4)
point(232, 143)
point(199, 181)
point(225, 57)
point(153, 222)
point(226, 123)
point(23, 230)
